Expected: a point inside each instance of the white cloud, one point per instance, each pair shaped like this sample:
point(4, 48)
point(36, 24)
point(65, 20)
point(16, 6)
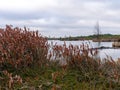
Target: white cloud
point(58, 16)
point(26, 5)
point(110, 24)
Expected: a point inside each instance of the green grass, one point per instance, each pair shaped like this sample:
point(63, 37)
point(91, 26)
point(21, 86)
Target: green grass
point(66, 80)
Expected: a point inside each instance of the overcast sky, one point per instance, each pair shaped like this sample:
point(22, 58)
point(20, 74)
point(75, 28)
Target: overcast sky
point(62, 17)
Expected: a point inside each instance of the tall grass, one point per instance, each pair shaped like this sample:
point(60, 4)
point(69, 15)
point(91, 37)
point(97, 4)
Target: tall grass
point(21, 48)
point(27, 52)
point(91, 69)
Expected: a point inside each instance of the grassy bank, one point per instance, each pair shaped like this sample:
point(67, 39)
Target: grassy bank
point(28, 62)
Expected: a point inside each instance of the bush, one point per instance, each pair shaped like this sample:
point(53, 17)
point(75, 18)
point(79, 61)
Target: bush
point(20, 48)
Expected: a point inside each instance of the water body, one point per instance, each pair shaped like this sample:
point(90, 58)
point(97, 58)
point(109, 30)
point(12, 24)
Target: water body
point(103, 53)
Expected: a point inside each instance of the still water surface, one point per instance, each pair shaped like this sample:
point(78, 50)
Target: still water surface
point(114, 53)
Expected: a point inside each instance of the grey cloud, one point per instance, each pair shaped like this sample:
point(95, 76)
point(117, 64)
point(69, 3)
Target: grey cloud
point(69, 16)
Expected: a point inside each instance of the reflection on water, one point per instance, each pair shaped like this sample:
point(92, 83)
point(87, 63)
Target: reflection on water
point(114, 53)
point(103, 53)
point(98, 44)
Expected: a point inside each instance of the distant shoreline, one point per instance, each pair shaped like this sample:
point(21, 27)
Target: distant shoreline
point(102, 38)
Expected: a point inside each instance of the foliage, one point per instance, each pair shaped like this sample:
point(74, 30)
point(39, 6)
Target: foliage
point(20, 48)
point(27, 62)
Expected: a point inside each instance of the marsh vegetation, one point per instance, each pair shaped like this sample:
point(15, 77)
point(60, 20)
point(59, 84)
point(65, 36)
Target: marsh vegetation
point(29, 62)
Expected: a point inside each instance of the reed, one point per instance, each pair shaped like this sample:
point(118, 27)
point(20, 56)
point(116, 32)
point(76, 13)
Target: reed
point(21, 48)
point(27, 61)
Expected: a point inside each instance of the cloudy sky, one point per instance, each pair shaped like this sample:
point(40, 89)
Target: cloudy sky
point(61, 18)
